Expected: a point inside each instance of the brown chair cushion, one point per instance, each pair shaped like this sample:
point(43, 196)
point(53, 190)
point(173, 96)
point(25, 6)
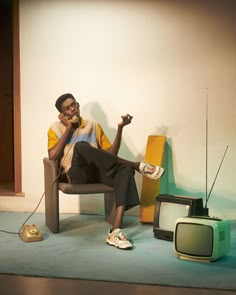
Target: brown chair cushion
point(91, 188)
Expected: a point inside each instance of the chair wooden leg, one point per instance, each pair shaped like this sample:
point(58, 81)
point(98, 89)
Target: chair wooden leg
point(52, 211)
point(51, 196)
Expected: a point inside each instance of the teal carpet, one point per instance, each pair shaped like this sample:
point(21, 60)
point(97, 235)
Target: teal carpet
point(80, 252)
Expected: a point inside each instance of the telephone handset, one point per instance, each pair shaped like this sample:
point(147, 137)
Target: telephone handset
point(73, 120)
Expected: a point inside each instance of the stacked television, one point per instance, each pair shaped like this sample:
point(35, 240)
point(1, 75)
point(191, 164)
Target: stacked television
point(195, 236)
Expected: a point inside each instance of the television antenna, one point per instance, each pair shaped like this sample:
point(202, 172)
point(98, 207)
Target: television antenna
point(205, 209)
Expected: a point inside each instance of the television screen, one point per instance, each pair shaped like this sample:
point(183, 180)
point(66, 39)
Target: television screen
point(201, 238)
point(189, 245)
point(170, 207)
point(169, 212)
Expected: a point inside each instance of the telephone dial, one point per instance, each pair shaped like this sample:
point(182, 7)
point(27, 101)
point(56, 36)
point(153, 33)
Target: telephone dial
point(31, 233)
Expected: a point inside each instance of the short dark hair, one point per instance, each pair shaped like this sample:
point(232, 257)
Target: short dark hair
point(61, 99)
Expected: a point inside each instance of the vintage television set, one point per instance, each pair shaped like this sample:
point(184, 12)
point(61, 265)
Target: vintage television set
point(170, 207)
point(201, 238)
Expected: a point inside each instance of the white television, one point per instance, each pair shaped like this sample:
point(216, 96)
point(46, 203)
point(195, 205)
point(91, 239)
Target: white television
point(201, 238)
point(170, 207)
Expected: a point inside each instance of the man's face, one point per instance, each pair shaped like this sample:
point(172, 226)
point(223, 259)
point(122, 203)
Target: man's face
point(70, 108)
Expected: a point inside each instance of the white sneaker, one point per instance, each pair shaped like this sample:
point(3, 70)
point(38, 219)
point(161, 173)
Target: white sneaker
point(118, 239)
point(151, 171)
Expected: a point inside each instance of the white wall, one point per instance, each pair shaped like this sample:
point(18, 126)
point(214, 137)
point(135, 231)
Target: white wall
point(153, 59)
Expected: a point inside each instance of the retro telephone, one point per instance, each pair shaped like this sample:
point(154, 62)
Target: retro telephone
point(31, 233)
point(73, 120)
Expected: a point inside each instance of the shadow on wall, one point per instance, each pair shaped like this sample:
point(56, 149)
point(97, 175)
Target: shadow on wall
point(168, 185)
point(222, 204)
point(94, 111)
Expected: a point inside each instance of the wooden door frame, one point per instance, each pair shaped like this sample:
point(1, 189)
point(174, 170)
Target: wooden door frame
point(16, 98)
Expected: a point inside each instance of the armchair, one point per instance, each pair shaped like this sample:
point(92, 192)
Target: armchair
point(52, 186)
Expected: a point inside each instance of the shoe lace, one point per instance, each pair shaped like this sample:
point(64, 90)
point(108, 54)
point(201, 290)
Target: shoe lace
point(149, 169)
point(121, 235)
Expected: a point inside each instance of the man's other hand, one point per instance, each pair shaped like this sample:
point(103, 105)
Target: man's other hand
point(126, 119)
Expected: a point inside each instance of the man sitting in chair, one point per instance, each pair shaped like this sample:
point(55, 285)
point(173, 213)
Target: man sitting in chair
point(87, 156)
